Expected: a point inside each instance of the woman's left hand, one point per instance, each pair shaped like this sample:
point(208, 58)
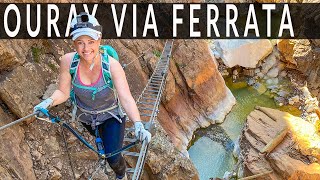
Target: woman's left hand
point(141, 133)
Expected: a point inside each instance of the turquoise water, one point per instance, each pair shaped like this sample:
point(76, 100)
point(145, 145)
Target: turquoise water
point(208, 152)
point(210, 158)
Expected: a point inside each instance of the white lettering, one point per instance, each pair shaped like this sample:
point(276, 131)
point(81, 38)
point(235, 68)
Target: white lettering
point(118, 25)
point(251, 14)
point(134, 20)
point(153, 25)
point(286, 14)
point(231, 22)
point(194, 20)
point(36, 32)
point(176, 20)
point(212, 22)
point(6, 28)
point(53, 22)
point(268, 7)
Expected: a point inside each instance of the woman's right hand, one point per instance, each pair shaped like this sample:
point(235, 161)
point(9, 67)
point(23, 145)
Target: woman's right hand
point(43, 105)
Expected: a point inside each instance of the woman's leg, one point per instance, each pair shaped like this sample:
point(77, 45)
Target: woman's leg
point(112, 134)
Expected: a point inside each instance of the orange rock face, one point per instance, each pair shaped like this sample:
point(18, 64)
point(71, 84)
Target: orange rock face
point(195, 96)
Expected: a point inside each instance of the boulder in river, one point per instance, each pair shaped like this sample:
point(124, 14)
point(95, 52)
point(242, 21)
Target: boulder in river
point(240, 52)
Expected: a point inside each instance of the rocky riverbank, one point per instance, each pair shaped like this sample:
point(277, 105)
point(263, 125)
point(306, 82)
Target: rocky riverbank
point(297, 155)
point(275, 69)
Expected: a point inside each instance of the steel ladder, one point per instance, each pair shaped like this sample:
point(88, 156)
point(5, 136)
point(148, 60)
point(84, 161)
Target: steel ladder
point(148, 104)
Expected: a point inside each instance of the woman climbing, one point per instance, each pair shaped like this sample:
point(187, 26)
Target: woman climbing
point(98, 86)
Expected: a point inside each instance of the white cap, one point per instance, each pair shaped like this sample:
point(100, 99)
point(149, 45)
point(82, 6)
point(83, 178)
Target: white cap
point(85, 24)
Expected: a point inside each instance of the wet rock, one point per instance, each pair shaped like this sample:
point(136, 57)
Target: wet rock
point(257, 70)
point(280, 100)
point(251, 82)
point(260, 75)
point(305, 92)
point(309, 108)
point(283, 93)
point(260, 88)
point(294, 99)
point(236, 150)
point(269, 62)
point(249, 72)
point(225, 73)
point(283, 74)
point(273, 72)
point(272, 81)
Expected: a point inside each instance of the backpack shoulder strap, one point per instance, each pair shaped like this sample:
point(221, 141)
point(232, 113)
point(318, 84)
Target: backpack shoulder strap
point(106, 70)
point(107, 51)
point(74, 65)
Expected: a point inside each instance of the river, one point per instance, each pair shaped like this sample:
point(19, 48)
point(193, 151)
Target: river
point(211, 148)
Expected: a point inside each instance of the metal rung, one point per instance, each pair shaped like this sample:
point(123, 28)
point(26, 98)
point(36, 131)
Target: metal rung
point(128, 153)
point(146, 115)
point(152, 91)
point(162, 65)
point(153, 99)
point(148, 94)
point(130, 170)
point(155, 86)
point(158, 84)
point(159, 69)
point(160, 74)
point(129, 139)
point(146, 103)
point(157, 76)
point(130, 129)
point(157, 79)
point(154, 80)
point(144, 108)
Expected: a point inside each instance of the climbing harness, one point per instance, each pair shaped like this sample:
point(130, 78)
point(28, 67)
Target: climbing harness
point(98, 151)
point(105, 51)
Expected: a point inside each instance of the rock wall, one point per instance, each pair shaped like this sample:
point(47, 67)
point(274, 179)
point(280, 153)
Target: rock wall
point(304, 56)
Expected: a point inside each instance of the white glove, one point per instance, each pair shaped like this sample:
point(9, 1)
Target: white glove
point(44, 104)
point(141, 133)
